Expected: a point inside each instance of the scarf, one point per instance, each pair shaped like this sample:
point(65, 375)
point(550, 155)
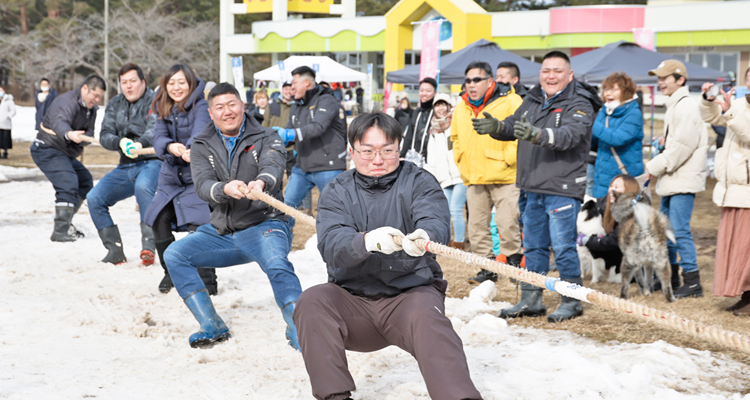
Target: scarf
point(440, 125)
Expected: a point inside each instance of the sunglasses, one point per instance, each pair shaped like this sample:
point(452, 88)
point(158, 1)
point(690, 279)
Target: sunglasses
point(476, 79)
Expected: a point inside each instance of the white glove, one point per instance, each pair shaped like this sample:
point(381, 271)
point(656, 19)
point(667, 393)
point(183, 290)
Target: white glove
point(381, 240)
point(127, 145)
point(410, 247)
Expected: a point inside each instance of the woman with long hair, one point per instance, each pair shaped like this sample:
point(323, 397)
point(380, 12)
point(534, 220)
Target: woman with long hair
point(181, 114)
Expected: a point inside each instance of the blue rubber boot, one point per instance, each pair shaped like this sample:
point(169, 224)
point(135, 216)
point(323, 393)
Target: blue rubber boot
point(213, 328)
point(291, 330)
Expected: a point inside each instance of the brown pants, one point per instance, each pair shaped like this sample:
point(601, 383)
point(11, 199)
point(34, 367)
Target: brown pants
point(330, 320)
point(480, 199)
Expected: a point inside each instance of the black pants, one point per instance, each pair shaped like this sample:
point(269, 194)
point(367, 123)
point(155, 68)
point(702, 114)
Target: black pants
point(163, 230)
point(71, 180)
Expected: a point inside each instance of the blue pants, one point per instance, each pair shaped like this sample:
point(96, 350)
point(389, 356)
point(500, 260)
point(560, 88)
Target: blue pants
point(456, 195)
point(679, 209)
point(590, 171)
point(268, 244)
point(71, 180)
point(139, 179)
point(550, 221)
point(300, 183)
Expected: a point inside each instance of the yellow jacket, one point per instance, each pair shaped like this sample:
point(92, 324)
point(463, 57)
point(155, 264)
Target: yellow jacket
point(481, 159)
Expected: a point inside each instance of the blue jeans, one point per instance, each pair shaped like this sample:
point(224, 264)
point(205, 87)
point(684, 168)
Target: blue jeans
point(679, 209)
point(590, 171)
point(71, 180)
point(456, 195)
point(139, 179)
point(300, 184)
point(268, 244)
point(550, 221)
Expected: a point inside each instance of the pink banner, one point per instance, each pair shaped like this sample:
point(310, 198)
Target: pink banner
point(386, 95)
point(430, 49)
point(645, 37)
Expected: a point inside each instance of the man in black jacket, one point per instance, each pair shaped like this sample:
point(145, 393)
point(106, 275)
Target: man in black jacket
point(128, 125)
point(417, 134)
point(319, 136)
point(58, 143)
point(380, 293)
point(230, 157)
point(553, 128)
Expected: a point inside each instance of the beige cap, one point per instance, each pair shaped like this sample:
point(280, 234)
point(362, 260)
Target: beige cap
point(442, 97)
point(669, 67)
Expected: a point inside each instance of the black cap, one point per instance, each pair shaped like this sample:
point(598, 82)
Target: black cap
point(286, 83)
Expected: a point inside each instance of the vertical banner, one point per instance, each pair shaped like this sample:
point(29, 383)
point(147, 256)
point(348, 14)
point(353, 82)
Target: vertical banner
point(430, 49)
point(281, 71)
point(386, 95)
point(367, 100)
point(645, 37)
point(239, 81)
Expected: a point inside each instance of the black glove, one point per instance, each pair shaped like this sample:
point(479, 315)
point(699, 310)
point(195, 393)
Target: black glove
point(523, 130)
point(487, 125)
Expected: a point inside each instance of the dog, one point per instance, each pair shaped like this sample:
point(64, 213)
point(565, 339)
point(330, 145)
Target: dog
point(589, 223)
point(643, 241)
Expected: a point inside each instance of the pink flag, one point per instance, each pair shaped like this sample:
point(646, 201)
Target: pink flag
point(386, 95)
point(645, 37)
point(430, 49)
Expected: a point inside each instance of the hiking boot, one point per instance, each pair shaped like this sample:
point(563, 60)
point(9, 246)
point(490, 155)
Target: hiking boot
point(692, 286)
point(166, 283)
point(530, 305)
point(111, 239)
point(484, 275)
point(569, 307)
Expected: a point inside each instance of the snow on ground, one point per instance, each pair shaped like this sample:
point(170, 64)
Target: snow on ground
point(73, 327)
point(25, 120)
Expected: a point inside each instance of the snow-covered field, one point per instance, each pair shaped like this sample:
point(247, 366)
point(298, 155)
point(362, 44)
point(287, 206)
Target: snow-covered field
point(25, 119)
point(71, 327)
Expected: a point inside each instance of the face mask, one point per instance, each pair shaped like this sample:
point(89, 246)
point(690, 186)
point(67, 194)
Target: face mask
point(504, 87)
point(2, 94)
point(611, 105)
point(44, 88)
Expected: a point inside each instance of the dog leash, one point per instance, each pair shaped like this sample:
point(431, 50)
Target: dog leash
point(639, 196)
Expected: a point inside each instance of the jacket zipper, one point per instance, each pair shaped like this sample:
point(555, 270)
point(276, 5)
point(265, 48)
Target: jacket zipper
point(747, 168)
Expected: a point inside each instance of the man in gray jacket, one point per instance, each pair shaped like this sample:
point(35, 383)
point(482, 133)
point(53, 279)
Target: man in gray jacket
point(58, 143)
point(553, 128)
point(319, 136)
point(128, 125)
point(230, 157)
point(380, 293)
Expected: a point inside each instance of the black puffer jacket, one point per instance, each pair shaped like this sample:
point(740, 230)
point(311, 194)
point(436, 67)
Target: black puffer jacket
point(352, 204)
point(135, 121)
point(556, 163)
point(259, 154)
point(65, 114)
point(419, 127)
point(321, 132)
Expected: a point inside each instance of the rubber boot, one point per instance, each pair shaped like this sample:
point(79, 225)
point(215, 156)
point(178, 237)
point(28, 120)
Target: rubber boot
point(63, 215)
point(161, 245)
point(530, 305)
point(569, 307)
point(73, 231)
point(111, 239)
point(515, 260)
point(291, 330)
point(147, 244)
point(744, 301)
point(208, 276)
point(675, 277)
point(212, 328)
point(691, 287)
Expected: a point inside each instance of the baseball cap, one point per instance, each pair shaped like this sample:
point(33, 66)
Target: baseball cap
point(669, 67)
point(286, 83)
point(442, 97)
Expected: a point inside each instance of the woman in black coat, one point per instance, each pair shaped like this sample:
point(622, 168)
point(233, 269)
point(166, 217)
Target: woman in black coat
point(403, 113)
point(417, 133)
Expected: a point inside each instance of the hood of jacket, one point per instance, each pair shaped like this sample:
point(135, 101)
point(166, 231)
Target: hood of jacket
point(317, 90)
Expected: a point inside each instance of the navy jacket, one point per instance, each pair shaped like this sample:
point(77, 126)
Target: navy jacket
point(42, 107)
point(175, 178)
point(67, 113)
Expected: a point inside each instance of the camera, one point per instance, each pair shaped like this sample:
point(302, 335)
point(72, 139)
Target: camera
point(713, 91)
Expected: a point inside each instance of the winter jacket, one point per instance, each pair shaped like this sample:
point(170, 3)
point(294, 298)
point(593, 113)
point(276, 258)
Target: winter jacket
point(481, 159)
point(732, 168)
point(320, 131)
point(407, 199)
point(135, 121)
point(258, 154)
point(440, 159)
point(67, 113)
point(43, 106)
point(681, 167)
point(622, 130)
point(277, 114)
point(556, 163)
point(403, 116)
point(7, 111)
point(418, 130)
point(175, 178)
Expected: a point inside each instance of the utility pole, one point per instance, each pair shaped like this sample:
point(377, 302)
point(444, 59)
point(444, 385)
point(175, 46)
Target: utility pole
point(106, 49)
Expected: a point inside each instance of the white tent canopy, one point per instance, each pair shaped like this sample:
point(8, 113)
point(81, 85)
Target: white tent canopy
point(325, 70)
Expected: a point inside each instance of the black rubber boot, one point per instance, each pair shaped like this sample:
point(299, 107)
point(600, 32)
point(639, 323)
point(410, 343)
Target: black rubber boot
point(691, 287)
point(515, 260)
point(675, 277)
point(111, 239)
point(530, 305)
point(569, 307)
point(161, 245)
point(147, 244)
point(744, 300)
point(73, 231)
point(484, 275)
point(63, 215)
point(208, 275)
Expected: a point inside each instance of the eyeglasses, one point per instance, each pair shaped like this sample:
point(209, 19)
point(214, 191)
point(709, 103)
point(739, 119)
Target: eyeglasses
point(476, 79)
point(385, 154)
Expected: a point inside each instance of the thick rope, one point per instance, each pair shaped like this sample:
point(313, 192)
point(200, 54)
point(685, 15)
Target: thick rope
point(708, 332)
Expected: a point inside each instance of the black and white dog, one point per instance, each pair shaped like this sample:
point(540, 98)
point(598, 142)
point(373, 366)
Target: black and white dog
point(590, 223)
